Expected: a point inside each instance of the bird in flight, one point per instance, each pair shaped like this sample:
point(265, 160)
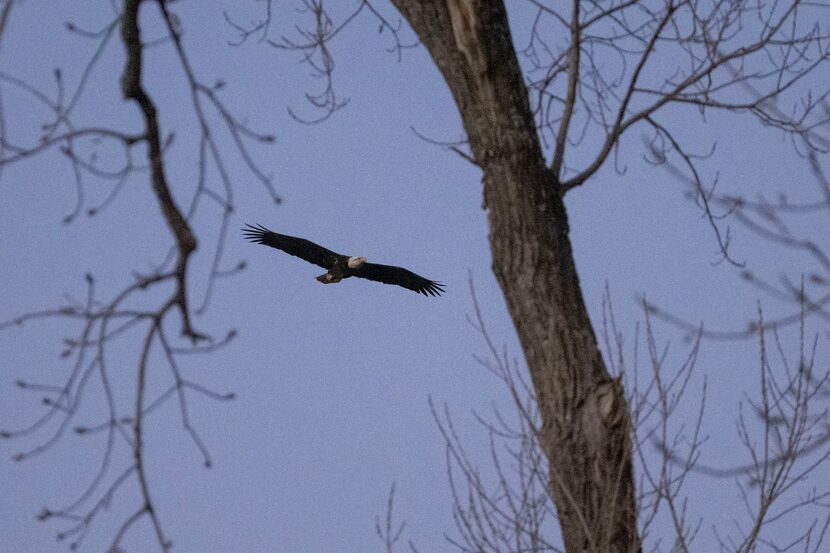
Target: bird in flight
point(339, 266)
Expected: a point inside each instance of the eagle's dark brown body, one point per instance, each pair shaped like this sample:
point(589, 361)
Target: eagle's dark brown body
point(338, 272)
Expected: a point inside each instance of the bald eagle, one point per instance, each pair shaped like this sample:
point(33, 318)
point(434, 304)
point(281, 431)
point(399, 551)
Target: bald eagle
point(340, 266)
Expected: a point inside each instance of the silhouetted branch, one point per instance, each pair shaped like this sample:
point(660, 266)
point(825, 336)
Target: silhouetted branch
point(389, 532)
point(260, 27)
point(313, 44)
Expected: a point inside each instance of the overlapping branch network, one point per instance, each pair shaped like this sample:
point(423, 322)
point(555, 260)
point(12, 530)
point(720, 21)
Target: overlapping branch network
point(655, 65)
point(145, 310)
point(313, 41)
point(781, 433)
point(627, 60)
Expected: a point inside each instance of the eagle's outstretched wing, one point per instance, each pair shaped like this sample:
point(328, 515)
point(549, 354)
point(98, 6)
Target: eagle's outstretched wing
point(299, 247)
point(388, 274)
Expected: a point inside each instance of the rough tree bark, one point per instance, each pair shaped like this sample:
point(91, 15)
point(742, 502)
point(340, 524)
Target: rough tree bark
point(585, 421)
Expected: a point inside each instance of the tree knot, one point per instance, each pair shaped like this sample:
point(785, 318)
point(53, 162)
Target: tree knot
point(610, 401)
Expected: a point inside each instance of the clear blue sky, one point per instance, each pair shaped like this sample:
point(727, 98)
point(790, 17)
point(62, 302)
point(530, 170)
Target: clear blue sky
point(332, 382)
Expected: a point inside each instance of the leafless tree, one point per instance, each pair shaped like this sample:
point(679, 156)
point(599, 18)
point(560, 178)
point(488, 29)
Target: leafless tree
point(596, 71)
point(585, 420)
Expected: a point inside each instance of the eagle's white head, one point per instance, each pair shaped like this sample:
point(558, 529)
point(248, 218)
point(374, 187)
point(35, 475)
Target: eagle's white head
point(356, 262)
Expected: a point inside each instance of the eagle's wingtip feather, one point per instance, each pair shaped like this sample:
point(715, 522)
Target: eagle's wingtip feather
point(254, 233)
point(432, 288)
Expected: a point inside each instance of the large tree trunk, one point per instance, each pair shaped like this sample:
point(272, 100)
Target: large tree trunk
point(585, 423)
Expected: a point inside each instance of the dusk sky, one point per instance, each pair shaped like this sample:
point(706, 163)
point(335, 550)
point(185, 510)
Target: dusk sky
point(333, 383)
